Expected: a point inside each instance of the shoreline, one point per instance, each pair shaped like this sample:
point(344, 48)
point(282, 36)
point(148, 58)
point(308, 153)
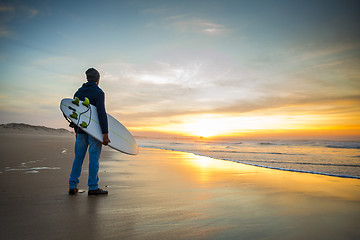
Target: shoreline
point(262, 166)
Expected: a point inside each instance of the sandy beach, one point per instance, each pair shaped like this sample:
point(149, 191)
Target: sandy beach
point(161, 194)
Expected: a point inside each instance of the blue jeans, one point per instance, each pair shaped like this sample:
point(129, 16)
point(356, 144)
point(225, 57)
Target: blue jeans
point(81, 145)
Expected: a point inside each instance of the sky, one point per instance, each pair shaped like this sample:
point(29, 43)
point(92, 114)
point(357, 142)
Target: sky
point(189, 68)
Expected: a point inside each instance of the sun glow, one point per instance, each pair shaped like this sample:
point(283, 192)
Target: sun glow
point(216, 125)
point(209, 126)
point(204, 127)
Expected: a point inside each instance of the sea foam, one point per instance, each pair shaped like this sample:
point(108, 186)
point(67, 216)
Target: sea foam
point(338, 159)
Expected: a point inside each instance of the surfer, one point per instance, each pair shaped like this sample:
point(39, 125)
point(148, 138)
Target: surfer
point(91, 90)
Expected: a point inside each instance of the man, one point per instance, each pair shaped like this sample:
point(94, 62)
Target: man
point(91, 90)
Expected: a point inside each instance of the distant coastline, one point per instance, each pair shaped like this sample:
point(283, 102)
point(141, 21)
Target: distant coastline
point(26, 128)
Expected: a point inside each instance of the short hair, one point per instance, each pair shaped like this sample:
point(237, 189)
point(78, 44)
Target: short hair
point(92, 75)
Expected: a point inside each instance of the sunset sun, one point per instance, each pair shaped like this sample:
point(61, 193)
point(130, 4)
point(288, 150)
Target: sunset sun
point(204, 128)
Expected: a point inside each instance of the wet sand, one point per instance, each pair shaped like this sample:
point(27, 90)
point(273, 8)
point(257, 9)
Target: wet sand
point(162, 194)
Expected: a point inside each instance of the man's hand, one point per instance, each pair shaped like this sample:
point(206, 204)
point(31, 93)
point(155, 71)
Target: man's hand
point(106, 139)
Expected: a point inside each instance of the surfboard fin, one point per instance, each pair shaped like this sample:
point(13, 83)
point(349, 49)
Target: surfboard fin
point(86, 103)
point(83, 124)
point(74, 115)
point(76, 101)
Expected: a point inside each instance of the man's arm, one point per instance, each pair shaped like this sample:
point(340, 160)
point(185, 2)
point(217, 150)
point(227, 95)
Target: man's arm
point(100, 106)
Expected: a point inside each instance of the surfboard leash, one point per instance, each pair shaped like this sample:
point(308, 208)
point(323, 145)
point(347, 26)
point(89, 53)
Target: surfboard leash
point(88, 124)
point(71, 124)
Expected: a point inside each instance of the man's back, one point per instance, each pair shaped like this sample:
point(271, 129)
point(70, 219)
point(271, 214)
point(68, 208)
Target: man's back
point(97, 98)
point(92, 91)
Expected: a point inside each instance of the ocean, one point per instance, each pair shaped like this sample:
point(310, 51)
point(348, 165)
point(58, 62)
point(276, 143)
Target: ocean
point(332, 158)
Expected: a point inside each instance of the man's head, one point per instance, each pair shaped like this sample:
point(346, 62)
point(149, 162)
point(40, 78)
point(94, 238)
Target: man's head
point(92, 75)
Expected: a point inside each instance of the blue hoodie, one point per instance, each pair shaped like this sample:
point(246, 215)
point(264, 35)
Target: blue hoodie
point(97, 98)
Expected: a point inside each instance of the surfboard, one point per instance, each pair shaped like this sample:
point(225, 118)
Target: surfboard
point(85, 116)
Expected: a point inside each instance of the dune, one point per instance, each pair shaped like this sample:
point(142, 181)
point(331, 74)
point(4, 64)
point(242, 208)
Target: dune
point(27, 128)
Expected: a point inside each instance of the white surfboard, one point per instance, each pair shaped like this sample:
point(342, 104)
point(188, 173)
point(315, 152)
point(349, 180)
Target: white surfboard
point(87, 119)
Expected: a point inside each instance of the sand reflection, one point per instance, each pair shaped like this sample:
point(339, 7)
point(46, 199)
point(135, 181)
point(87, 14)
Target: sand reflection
point(208, 170)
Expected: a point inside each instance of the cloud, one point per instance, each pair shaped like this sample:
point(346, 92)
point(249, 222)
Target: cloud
point(159, 92)
point(320, 51)
point(140, 91)
point(156, 72)
point(19, 10)
point(156, 10)
point(10, 14)
point(6, 12)
point(176, 17)
point(196, 25)
point(212, 28)
point(183, 22)
point(31, 12)
point(7, 8)
point(4, 32)
point(293, 114)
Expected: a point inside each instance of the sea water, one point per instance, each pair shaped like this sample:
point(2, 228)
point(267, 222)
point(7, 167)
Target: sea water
point(333, 158)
